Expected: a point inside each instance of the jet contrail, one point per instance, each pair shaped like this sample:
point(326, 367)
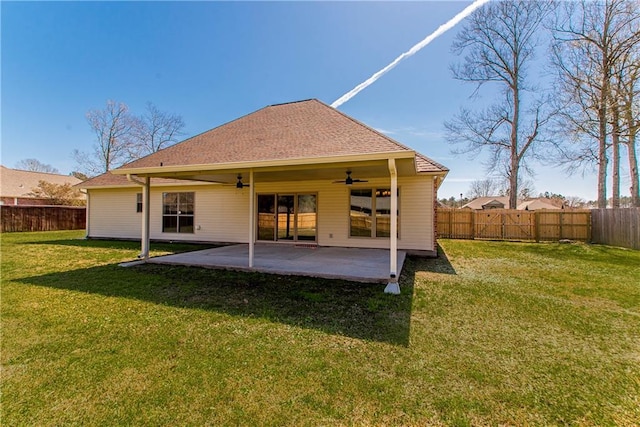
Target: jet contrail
point(441, 30)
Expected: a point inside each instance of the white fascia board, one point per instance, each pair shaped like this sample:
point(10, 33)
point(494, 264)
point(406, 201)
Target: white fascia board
point(158, 170)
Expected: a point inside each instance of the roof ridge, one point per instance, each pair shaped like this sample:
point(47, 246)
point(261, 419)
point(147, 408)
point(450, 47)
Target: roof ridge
point(292, 102)
point(38, 172)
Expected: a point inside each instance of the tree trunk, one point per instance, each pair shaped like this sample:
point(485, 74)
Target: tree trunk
point(602, 136)
point(633, 165)
point(515, 161)
point(615, 143)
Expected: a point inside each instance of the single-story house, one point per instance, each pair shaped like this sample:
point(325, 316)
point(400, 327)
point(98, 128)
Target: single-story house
point(538, 204)
point(502, 202)
point(17, 185)
point(300, 172)
point(491, 202)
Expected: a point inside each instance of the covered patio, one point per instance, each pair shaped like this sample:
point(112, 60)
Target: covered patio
point(354, 264)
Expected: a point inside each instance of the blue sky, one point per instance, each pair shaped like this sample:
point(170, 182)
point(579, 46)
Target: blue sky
point(212, 62)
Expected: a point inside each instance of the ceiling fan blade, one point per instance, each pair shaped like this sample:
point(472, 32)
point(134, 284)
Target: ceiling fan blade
point(340, 181)
point(360, 180)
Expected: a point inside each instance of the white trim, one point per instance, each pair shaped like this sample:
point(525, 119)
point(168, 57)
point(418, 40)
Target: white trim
point(252, 217)
point(266, 163)
point(392, 286)
point(146, 208)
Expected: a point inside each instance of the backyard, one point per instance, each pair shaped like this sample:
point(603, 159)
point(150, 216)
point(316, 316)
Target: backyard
point(490, 333)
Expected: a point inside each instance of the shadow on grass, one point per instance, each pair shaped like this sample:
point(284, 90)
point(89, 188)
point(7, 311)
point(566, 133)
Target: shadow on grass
point(174, 247)
point(338, 307)
point(440, 265)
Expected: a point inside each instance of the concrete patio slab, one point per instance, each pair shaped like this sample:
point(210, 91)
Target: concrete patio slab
point(354, 264)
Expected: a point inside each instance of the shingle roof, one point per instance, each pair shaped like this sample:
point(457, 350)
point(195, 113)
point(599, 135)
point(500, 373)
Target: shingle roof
point(303, 129)
point(19, 183)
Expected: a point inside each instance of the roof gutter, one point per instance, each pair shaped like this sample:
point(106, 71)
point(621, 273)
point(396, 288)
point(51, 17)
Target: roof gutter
point(404, 154)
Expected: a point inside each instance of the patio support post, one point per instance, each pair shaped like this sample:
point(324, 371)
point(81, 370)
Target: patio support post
point(393, 287)
point(252, 216)
point(146, 202)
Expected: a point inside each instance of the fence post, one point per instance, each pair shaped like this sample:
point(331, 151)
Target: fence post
point(473, 225)
point(536, 224)
point(561, 220)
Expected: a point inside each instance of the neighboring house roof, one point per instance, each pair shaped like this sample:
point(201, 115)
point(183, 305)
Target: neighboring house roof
point(19, 183)
point(502, 202)
point(488, 202)
point(303, 129)
point(537, 204)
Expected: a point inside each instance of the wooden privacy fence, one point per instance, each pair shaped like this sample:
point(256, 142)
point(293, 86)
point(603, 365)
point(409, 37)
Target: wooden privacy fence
point(616, 227)
point(506, 224)
point(42, 218)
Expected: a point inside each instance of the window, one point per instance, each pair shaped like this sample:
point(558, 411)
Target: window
point(139, 202)
point(370, 213)
point(177, 212)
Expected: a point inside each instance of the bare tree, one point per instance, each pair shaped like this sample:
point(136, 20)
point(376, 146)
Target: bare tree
point(157, 130)
point(526, 188)
point(575, 202)
point(114, 145)
point(35, 165)
point(483, 188)
point(590, 41)
point(499, 41)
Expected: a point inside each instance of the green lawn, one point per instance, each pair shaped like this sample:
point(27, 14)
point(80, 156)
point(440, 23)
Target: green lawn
point(490, 333)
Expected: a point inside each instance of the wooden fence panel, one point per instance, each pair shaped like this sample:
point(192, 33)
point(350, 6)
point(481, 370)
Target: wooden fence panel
point(488, 224)
point(42, 218)
point(455, 224)
point(616, 227)
point(505, 224)
point(519, 225)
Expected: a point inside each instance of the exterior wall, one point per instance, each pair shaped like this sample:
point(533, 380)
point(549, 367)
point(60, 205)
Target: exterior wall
point(221, 212)
point(112, 213)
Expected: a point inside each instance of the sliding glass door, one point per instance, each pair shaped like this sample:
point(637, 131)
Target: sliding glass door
point(306, 218)
point(266, 217)
point(287, 217)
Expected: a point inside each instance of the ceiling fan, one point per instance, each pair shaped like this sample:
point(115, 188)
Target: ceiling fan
point(349, 180)
point(240, 184)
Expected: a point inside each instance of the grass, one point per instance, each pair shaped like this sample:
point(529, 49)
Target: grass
point(488, 334)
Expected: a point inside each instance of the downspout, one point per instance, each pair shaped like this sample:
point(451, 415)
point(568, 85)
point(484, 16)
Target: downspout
point(146, 200)
point(393, 287)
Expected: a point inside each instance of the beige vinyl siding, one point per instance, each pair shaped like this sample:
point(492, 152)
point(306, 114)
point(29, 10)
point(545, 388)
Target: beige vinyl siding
point(222, 212)
point(112, 213)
